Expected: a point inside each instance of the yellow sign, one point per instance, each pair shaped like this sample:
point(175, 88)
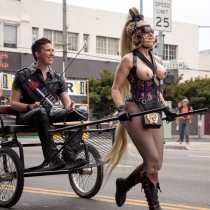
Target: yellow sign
point(76, 87)
point(6, 81)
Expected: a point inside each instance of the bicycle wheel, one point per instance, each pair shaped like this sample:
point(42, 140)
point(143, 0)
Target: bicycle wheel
point(88, 181)
point(11, 177)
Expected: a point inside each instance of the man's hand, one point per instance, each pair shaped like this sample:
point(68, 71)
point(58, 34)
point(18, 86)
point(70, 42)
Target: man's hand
point(69, 108)
point(35, 105)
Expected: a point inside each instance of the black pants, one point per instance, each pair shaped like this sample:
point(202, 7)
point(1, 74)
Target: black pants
point(41, 120)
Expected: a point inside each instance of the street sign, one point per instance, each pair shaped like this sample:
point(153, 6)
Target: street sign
point(162, 15)
point(177, 65)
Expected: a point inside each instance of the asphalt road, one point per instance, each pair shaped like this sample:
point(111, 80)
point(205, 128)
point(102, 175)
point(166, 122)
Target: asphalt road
point(184, 181)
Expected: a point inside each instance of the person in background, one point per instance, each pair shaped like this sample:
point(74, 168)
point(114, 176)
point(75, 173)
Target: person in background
point(177, 126)
point(184, 121)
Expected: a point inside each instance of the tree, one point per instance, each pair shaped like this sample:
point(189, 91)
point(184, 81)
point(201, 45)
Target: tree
point(101, 102)
point(195, 89)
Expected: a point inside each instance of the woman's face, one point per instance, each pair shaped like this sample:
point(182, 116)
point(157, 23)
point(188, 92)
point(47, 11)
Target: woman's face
point(146, 32)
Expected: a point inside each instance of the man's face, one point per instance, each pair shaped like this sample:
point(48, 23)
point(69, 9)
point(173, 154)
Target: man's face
point(46, 55)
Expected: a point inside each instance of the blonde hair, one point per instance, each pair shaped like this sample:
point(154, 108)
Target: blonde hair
point(118, 151)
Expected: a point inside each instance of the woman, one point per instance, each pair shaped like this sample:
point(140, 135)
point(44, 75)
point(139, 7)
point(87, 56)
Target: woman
point(136, 87)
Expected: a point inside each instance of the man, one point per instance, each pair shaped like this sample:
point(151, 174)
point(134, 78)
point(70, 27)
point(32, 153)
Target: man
point(32, 113)
point(184, 121)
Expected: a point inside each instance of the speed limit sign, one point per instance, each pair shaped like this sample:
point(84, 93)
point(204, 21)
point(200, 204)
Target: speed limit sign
point(162, 15)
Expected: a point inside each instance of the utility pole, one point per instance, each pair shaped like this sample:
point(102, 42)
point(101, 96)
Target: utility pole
point(160, 44)
point(141, 7)
point(64, 38)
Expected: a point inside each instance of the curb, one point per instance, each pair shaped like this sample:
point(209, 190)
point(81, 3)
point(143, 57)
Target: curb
point(175, 147)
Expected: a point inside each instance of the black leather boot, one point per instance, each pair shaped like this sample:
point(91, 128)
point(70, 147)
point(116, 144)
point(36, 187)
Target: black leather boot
point(150, 185)
point(41, 121)
point(124, 185)
point(70, 151)
point(56, 162)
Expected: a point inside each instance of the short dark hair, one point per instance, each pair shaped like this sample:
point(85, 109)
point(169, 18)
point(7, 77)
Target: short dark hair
point(37, 46)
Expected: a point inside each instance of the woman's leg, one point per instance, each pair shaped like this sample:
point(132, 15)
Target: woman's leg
point(149, 143)
point(124, 185)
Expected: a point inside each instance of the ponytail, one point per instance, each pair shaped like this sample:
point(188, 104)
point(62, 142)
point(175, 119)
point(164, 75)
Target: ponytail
point(119, 148)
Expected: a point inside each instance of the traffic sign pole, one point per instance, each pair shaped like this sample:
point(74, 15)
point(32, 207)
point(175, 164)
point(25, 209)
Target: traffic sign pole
point(141, 7)
point(162, 21)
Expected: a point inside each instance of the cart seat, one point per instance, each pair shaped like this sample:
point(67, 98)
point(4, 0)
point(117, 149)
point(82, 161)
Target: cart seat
point(17, 129)
point(11, 127)
point(7, 110)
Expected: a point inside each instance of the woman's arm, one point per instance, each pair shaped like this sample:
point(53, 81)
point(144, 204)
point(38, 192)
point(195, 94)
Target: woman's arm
point(121, 74)
point(15, 101)
point(17, 105)
point(66, 101)
point(163, 100)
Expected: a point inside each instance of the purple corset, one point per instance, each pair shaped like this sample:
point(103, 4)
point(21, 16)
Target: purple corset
point(142, 89)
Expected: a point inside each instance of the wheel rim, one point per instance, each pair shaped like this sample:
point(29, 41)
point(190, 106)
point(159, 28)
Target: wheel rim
point(86, 182)
point(7, 169)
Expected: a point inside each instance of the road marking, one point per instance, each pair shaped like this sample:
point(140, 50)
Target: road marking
point(199, 156)
point(110, 199)
point(124, 166)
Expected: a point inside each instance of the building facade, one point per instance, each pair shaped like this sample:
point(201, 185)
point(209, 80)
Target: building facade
point(24, 21)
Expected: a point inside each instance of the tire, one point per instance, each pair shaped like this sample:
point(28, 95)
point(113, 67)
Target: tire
point(11, 177)
point(88, 185)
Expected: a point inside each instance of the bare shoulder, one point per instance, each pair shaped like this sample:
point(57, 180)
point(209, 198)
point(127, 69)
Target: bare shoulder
point(127, 60)
point(159, 59)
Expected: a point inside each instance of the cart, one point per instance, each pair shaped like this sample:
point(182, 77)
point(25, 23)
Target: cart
point(94, 145)
point(86, 181)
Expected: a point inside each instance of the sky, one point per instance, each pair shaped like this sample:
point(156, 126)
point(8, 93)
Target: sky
point(188, 11)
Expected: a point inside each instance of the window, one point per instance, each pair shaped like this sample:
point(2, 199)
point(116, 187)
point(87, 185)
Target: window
point(58, 40)
point(56, 37)
point(169, 52)
point(105, 45)
point(113, 45)
point(101, 45)
point(10, 36)
point(72, 41)
point(35, 34)
point(48, 34)
point(85, 42)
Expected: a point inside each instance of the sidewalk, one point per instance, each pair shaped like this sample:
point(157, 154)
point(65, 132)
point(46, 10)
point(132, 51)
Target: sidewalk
point(194, 144)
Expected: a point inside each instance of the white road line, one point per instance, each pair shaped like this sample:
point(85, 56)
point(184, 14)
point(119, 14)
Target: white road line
point(199, 156)
point(124, 166)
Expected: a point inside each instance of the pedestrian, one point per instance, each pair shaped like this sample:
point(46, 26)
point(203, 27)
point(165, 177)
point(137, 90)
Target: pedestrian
point(177, 126)
point(140, 72)
point(31, 112)
point(184, 121)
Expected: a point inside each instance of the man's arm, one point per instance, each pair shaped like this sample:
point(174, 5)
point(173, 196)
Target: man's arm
point(66, 101)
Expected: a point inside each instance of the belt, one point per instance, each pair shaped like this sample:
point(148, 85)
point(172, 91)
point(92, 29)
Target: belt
point(142, 101)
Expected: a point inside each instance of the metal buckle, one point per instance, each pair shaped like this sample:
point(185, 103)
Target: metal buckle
point(144, 101)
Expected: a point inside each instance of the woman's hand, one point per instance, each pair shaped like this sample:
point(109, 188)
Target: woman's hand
point(35, 105)
point(69, 107)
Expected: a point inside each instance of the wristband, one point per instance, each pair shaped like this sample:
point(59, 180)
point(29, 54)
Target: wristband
point(28, 107)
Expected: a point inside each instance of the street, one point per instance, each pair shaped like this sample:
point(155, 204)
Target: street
point(184, 181)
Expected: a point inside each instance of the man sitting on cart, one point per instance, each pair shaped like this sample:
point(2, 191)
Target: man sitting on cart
point(32, 112)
